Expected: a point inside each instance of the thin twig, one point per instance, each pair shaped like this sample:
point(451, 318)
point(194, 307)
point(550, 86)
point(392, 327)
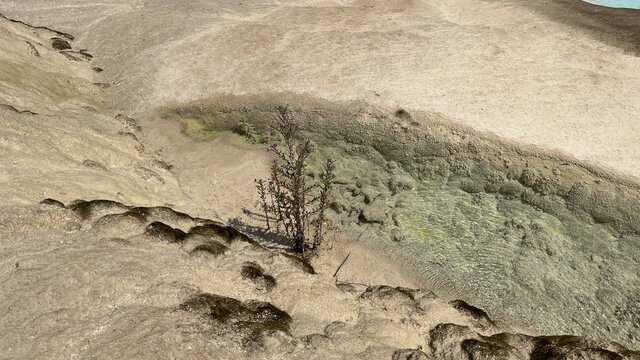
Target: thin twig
point(352, 283)
point(335, 275)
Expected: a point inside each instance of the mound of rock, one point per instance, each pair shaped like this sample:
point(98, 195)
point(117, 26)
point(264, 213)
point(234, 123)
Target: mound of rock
point(104, 279)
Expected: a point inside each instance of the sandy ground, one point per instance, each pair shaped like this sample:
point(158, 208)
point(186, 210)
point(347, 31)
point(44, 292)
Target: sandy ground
point(561, 74)
point(506, 67)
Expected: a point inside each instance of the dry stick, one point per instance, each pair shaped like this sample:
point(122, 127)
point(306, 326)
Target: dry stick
point(335, 275)
point(352, 283)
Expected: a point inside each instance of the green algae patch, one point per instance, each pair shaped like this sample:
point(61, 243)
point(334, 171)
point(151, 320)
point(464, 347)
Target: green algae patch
point(254, 272)
point(164, 233)
point(249, 320)
point(212, 248)
point(519, 230)
point(198, 128)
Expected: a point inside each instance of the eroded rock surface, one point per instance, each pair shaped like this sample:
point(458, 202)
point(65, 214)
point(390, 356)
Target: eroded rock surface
point(169, 302)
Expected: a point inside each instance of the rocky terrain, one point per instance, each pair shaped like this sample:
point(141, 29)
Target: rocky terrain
point(102, 279)
point(117, 100)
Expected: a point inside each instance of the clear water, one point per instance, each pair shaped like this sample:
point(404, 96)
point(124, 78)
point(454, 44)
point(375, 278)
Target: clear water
point(551, 274)
point(520, 264)
point(627, 4)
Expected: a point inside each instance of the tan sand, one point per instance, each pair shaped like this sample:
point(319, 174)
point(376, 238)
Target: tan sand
point(79, 288)
point(560, 74)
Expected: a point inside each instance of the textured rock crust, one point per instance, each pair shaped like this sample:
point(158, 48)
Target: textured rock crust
point(233, 316)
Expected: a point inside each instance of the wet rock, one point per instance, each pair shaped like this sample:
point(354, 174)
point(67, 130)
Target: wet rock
point(250, 320)
point(255, 273)
point(164, 233)
point(480, 317)
point(482, 350)
point(418, 294)
point(573, 347)
point(369, 193)
point(376, 212)
point(387, 292)
point(511, 188)
point(52, 202)
point(471, 186)
point(540, 238)
point(409, 354)
point(538, 181)
point(397, 235)
point(212, 247)
point(60, 44)
point(398, 183)
point(444, 341)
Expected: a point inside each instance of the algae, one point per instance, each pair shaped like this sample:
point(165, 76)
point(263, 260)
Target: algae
point(251, 320)
point(513, 227)
point(255, 273)
point(164, 233)
point(212, 247)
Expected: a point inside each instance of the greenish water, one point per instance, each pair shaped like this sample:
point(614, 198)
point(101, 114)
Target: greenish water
point(627, 4)
point(555, 274)
point(466, 220)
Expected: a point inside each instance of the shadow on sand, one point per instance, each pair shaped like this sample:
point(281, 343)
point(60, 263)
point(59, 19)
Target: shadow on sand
point(273, 238)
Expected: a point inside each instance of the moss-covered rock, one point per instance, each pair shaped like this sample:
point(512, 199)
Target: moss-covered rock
point(251, 320)
point(479, 317)
point(60, 44)
point(444, 341)
point(219, 231)
point(212, 247)
point(483, 350)
point(255, 273)
point(164, 233)
point(96, 208)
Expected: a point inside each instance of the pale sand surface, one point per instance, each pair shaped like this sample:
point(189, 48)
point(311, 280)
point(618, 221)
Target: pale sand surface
point(560, 74)
point(503, 69)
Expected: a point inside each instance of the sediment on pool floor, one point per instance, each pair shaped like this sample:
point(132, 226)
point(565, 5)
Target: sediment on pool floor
point(423, 182)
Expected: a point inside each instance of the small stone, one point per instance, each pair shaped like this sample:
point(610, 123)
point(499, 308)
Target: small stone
point(596, 259)
point(60, 44)
point(397, 235)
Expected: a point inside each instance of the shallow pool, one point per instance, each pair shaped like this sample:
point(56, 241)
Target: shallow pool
point(628, 4)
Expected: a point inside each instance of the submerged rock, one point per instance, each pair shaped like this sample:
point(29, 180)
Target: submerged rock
point(478, 315)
